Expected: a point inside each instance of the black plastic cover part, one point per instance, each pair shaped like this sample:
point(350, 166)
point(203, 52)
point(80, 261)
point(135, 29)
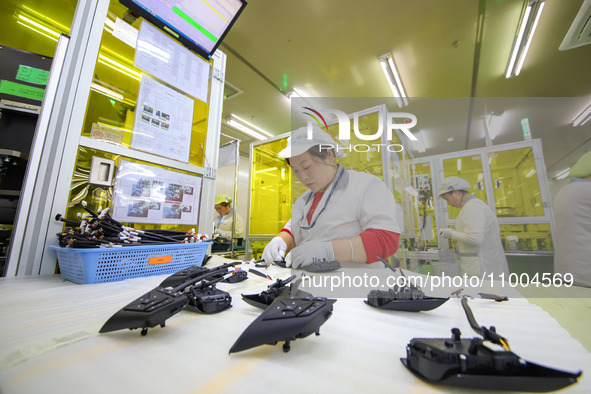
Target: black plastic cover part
point(175, 293)
point(403, 298)
point(321, 265)
point(183, 275)
point(195, 271)
point(286, 319)
point(279, 289)
point(237, 276)
point(206, 259)
point(468, 363)
point(281, 263)
point(317, 265)
point(208, 299)
point(425, 304)
point(150, 310)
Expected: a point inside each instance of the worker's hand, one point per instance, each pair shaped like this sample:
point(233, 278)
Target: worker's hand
point(308, 253)
point(274, 251)
point(446, 232)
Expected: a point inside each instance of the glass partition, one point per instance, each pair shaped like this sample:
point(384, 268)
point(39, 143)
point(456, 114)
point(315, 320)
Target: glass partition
point(35, 25)
point(271, 189)
point(515, 183)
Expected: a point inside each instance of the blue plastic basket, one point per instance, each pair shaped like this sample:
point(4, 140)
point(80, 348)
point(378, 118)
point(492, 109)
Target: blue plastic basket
point(96, 265)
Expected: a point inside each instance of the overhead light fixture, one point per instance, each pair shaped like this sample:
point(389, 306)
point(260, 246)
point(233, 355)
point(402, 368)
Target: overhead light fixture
point(583, 117)
point(530, 173)
point(389, 68)
point(530, 15)
point(562, 174)
point(246, 127)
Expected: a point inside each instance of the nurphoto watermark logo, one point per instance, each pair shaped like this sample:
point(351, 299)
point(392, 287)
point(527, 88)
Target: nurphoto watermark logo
point(409, 121)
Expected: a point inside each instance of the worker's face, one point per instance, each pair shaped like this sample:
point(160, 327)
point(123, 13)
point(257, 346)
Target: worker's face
point(453, 198)
point(314, 172)
point(222, 210)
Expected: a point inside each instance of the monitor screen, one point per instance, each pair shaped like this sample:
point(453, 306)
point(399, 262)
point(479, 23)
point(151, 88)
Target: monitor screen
point(200, 25)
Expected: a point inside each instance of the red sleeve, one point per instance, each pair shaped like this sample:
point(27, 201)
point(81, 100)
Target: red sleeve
point(381, 242)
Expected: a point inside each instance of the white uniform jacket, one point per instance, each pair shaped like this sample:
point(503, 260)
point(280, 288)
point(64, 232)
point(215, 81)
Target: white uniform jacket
point(223, 225)
point(572, 212)
point(479, 240)
point(352, 203)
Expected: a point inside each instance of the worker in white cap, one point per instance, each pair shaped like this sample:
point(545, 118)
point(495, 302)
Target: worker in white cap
point(345, 216)
point(476, 232)
point(223, 221)
point(572, 214)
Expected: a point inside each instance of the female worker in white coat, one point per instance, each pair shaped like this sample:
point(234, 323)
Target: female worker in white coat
point(572, 212)
point(347, 216)
point(477, 231)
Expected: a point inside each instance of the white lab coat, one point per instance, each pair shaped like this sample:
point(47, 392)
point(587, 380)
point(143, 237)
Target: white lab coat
point(572, 214)
point(479, 240)
point(223, 225)
point(359, 201)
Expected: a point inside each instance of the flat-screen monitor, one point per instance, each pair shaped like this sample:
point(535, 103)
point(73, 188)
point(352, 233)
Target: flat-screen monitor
point(199, 24)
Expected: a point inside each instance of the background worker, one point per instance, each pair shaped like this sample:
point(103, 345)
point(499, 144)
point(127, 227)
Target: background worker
point(477, 231)
point(347, 216)
point(572, 214)
point(223, 221)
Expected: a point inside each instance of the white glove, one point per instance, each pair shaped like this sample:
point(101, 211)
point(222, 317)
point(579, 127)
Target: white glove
point(446, 232)
point(308, 253)
point(275, 250)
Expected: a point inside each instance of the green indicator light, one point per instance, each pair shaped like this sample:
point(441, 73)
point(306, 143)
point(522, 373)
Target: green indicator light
point(193, 23)
point(284, 80)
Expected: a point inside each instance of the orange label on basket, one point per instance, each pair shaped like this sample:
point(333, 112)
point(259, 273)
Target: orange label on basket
point(159, 260)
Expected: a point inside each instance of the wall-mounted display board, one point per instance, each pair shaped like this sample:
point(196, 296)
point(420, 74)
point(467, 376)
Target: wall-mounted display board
point(163, 120)
point(148, 194)
point(161, 56)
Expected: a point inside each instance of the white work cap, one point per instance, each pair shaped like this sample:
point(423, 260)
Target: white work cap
point(299, 143)
point(453, 183)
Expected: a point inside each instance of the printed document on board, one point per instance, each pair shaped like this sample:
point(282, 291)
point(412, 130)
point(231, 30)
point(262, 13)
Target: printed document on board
point(163, 121)
point(160, 55)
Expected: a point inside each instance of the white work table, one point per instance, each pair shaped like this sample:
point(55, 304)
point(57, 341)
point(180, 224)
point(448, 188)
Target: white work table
point(49, 343)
